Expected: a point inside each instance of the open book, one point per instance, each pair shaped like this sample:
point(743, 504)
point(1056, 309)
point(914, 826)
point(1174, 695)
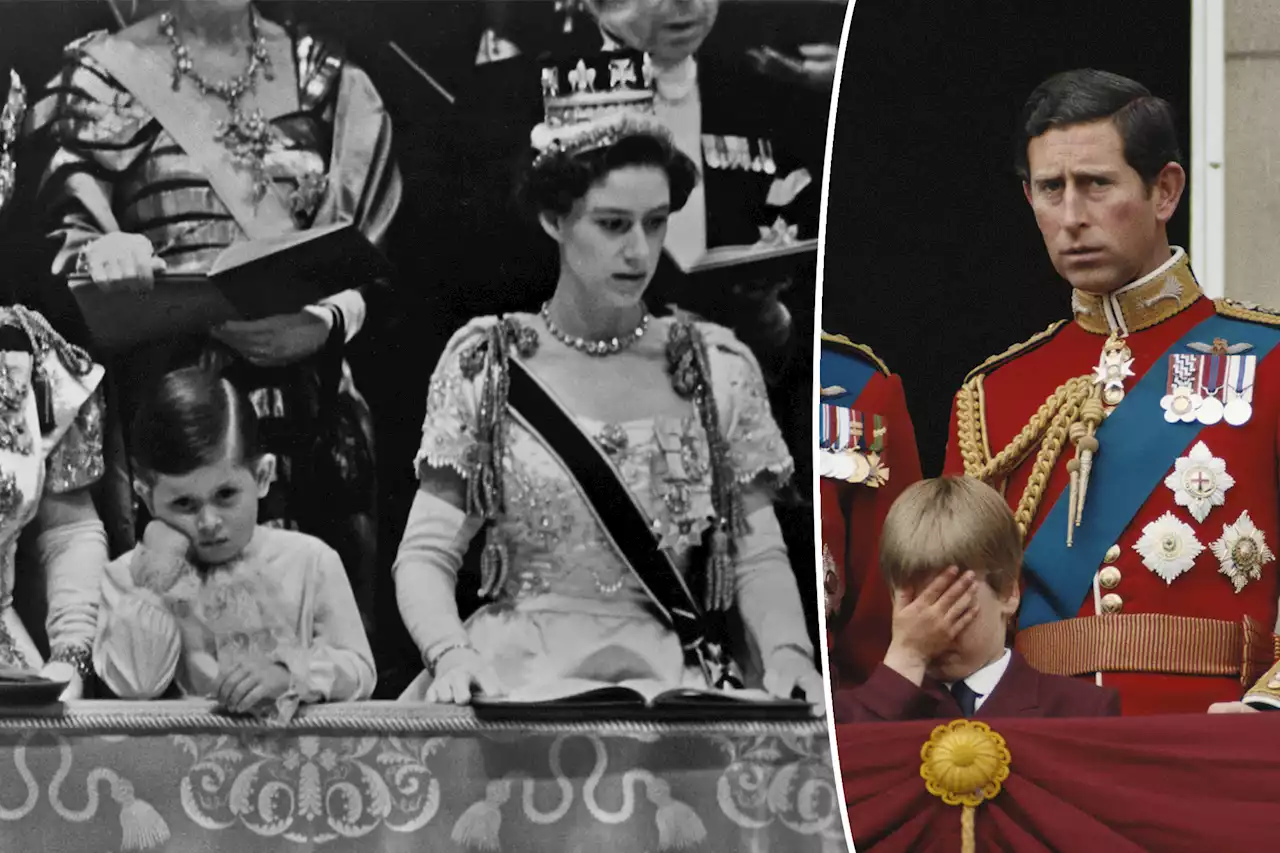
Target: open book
point(13, 675)
point(579, 698)
point(22, 688)
point(248, 281)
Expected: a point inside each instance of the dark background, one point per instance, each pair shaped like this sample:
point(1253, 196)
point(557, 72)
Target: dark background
point(933, 257)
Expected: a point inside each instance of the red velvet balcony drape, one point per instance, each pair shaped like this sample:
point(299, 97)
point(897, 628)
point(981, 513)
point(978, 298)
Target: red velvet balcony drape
point(1124, 785)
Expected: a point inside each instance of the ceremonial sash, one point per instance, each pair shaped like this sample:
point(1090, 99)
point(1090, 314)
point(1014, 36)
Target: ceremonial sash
point(1138, 447)
point(620, 517)
point(193, 124)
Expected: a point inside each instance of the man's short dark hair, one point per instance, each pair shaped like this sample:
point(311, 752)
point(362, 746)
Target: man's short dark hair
point(1144, 121)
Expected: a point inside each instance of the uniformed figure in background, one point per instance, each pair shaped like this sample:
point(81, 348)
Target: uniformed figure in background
point(758, 139)
point(1137, 443)
point(867, 456)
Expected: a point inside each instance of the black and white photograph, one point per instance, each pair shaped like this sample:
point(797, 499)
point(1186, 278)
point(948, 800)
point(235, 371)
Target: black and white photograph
point(406, 419)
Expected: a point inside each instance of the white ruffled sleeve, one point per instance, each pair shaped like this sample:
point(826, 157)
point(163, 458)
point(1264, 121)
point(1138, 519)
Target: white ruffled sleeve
point(138, 643)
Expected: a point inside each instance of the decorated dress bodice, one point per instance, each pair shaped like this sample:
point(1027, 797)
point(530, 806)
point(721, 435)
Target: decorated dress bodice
point(554, 539)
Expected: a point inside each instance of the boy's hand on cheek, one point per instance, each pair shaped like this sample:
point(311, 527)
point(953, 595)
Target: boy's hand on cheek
point(165, 557)
point(925, 624)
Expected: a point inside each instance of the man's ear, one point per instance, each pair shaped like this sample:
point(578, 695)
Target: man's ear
point(1168, 188)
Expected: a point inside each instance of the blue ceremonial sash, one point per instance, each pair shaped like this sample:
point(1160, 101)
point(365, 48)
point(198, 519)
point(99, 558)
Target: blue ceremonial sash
point(850, 372)
point(1138, 449)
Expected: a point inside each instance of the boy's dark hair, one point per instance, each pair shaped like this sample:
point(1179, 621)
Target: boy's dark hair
point(557, 183)
point(1145, 122)
point(187, 421)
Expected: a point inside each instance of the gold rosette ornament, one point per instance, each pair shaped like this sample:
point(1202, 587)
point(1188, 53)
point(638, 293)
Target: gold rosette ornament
point(964, 764)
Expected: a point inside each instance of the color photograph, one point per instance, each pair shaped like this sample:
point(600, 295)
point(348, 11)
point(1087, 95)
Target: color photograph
point(1047, 455)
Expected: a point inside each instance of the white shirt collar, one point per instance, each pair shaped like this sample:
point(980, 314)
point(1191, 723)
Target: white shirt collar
point(984, 681)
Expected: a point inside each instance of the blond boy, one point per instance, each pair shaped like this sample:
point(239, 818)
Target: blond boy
point(951, 554)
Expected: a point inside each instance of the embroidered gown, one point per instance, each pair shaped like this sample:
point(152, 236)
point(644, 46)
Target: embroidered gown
point(571, 607)
point(114, 167)
point(59, 456)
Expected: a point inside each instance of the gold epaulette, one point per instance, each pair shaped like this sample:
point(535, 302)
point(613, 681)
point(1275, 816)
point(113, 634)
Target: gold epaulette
point(861, 349)
point(1251, 311)
point(1016, 350)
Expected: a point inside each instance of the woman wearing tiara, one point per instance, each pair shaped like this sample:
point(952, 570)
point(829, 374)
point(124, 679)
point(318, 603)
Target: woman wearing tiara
point(621, 467)
point(50, 453)
point(195, 128)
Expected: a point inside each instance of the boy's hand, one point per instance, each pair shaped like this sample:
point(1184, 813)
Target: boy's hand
point(925, 624)
point(163, 539)
point(165, 558)
point(247, 685)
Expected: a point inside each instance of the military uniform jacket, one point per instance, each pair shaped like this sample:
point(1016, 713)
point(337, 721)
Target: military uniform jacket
point(859, 609)
point(1172, 611)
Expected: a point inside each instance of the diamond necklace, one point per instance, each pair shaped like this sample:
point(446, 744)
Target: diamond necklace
point(602, 347)
point(248, 136)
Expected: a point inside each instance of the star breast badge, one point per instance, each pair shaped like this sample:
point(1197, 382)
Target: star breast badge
point(1242, 552)
point(1200, 481)
point(1168, 547)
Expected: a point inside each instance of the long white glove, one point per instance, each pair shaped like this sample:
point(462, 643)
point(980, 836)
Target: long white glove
point(435, 541)
point(769, 602)
point(73, 557)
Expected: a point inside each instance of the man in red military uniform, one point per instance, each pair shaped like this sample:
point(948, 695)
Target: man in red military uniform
point(868, 457)
point(1137, 443)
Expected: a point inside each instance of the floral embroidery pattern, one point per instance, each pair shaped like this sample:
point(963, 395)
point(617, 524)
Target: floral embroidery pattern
point(310, 790)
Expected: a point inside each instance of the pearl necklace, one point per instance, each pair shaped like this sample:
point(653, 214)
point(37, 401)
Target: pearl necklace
point(599, 348)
